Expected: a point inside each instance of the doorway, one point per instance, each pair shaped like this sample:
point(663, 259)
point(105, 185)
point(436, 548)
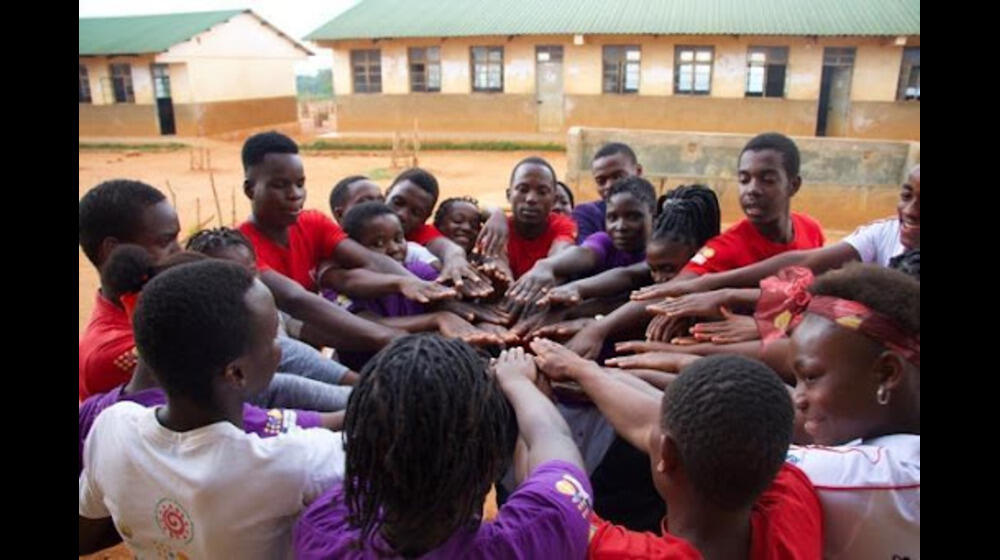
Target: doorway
point(164, 104)
point(549, 87)
point(835, 91)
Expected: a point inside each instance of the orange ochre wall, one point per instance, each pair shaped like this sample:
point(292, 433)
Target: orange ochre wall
point(437, 111)
point(191, 119)
point(119, 119)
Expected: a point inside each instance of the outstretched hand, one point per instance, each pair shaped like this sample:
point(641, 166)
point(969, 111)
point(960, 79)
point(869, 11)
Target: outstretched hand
point(558, 362)
point(465, 279)
point(424, 292)
point(671, 362)
point(732, 328)
point(673, 288)
point(701, 304)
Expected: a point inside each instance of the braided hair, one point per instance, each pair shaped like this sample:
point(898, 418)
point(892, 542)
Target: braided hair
point(207, 241)
point(442, 209)
point(427, 431)
point(689, 214)
point(129, 267)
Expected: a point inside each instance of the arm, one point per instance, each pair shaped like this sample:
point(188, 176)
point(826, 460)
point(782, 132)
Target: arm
point(775, 354)
point(339, 329)
point(456, 268)
point(333, 421)
point(351, 254)
point(568, 261)
point(607, 283)
point(655, 379)
point(363, 283)
point(446, 322)
point(492, 238)
point(630, 318)
point(543, 429)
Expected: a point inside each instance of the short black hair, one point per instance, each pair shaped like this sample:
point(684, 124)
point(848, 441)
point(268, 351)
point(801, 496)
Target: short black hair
point(536, 161)
point(889, 292)
point(340, 192)
point(616, 148)
point(129, 267)
point(421, 178)
point(427, 431)
point(779, 143)
point(114, 209)
point(358, 217)
point(207, 241)
point(731, 418)
point(638, 187)
point(689, 214)
point(190, 322)
point(259, 145)
point(569, 193)
point(908, 262)
point(446, 205)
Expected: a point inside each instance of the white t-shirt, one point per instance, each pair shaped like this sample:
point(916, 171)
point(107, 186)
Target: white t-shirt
point(870, 491)
point(877, 242)
point(417, 252)
point(212, 492)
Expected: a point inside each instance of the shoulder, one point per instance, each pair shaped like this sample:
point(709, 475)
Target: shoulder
point(322, 531)
point(806, 221)
point(889, 462)
point(314, 219)
point(610, 541)
point(562, 225)
point(556, 491)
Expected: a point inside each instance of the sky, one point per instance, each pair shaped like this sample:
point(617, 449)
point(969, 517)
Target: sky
point(294, 17)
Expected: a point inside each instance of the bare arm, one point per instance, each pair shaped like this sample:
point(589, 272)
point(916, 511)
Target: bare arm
point(774, 354)
point(351, 254)
point(333, 421)
point(545, 273)
point(363, 283)
point(338, 328)
point(608, 283)
point(455, 267)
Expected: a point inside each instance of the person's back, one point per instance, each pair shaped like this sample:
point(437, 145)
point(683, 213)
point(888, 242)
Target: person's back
point(175, 479)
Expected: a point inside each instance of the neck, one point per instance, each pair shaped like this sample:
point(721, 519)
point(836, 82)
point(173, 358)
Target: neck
point(716, 533)
point(182, 414)
point(110, 296)
point(530, 231)
point(141, 380)
point(278, 234)
point(780, 231)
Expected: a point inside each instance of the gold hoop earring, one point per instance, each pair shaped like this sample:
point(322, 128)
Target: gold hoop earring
point(882, 395)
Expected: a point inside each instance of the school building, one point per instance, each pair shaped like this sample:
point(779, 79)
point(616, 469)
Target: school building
point(803, 67)
point(189, 74)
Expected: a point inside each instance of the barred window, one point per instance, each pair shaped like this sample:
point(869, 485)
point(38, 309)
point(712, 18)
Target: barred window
point(487, 68)
point(366, 68)
point(621, 68)
point(693, 70)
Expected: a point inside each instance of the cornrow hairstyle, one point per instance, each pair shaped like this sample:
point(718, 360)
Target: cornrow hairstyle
point(569, 193)
point(779, 143)
point(731, 418)
point(446, 205)
point(259, 145)
point(536, 161)
point(113, 209)
point(427, 431)
point(908, 262)
point(421, 178)
point(129, 267)
point(890, 292)
point(616, 148)
point(358, 217)
point(190, 322)
point(689, 214)
point(638, 187)
point(340, 192)
point(208, 241)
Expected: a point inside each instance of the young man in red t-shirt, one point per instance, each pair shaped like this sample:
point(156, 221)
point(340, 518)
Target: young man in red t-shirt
point(112, 213)
point(717, 439)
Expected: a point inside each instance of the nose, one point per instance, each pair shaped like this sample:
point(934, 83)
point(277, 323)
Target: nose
point(175, 247)
point(296, 192)
point(799, 398)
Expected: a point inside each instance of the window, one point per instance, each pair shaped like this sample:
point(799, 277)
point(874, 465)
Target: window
point(425, 69)
point(487, 68)
point(366, 67)
point(121, 83)
point(161, 81)
point(84, 85)
point(909, 75)
point(548, 53)
point(693, 70)
point(621, 68)
point(766, 71)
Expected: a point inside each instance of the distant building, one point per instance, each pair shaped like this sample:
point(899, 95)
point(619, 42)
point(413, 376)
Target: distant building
point(188, 74)
point(803, 67)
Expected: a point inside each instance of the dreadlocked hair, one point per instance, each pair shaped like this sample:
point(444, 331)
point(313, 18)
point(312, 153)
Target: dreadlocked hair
point(129, 267)
point(427, 431)
point(446, 205)
point(689, 214)
point(208, 241)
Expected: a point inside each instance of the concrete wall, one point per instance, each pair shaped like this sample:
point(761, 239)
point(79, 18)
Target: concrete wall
point(197, 119)
point(445, 112)
point(123, 119)
point(874, 80)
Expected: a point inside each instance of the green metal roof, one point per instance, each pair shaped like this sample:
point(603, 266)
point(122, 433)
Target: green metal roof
point(458, 18)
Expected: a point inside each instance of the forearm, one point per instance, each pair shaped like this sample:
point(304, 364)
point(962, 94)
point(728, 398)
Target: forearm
point(412, 323)
point(614, 281)
point(626, 320)
point(750, 276)
point(541, 427)
point(333, 421)
point(97, 534)
point(334, 327)
point(632, 411)
point(569, 262)
point(351, 254)
point(362, 283)
point(774, 354)
point(742, 298)
point(652, 381)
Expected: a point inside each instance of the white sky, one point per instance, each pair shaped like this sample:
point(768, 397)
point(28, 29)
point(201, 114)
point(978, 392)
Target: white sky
point(293, 17)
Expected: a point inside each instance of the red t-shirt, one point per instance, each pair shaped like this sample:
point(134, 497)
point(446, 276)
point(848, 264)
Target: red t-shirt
point(107, 349)
point(312, 238)
point(786, 523)
point(742, 244)
point(424, 234)
point(522, 253)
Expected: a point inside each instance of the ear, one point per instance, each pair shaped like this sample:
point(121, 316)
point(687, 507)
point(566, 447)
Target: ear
point(338, 213)
point(233, 375)
point(107, 245)
point(889, 369)
point(508, 194)
point(248, 187)
point(794, 185)
point(670, 457)
point(638, 170)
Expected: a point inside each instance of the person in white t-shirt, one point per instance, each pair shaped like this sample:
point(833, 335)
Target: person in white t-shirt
point(184, 480)
point(856, 359)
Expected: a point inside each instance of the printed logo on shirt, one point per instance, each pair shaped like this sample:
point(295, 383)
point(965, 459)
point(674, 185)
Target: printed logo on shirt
point(702, 256)
point(570, 486)
point(164, 552)
point(793, 459)
point(278, 421)
point(126, 360)
point(173, 521)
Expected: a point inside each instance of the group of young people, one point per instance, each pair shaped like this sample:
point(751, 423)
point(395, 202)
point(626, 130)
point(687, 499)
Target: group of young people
point(628, 379)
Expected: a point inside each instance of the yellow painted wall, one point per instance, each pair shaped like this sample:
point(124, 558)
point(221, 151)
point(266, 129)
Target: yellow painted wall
point(99, 71)
point(582, 69)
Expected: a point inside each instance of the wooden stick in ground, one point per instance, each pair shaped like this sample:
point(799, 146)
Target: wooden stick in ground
point(197, 210)
point(233, 224)
point(215, 194)
point(191, 159)
point(173, 195)
point(208, 164)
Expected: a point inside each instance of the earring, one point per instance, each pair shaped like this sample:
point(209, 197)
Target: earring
point(882, 395)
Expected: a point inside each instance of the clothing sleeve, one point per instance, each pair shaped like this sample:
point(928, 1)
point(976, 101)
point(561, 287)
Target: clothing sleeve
point(854, 467)
point(91, 498)
point(564, 229)
point(109, 365)
point(600, 243)
point(610, 541)
point(269, 423)
point(713, 257)
point(323, 463)
point(865, 240)
point(419, 253)
point(328, 233)
point(423, 270)
point(587, 222)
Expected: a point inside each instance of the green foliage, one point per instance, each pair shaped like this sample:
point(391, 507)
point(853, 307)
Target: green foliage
point(121, 147)
point(317, 86)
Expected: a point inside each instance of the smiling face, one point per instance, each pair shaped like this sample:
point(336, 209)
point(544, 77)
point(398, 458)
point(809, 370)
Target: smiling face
point(908, 210)
point(461, 224)
point(765, 187)
point(531, 194)
point(277, 189)
point(666, 258)
point(562, 205)
point(835, 382)
point(628, 222)
point(384, 234)
point(412, 204)
point(608, 169)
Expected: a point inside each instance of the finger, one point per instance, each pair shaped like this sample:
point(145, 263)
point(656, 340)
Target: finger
point(684, 341)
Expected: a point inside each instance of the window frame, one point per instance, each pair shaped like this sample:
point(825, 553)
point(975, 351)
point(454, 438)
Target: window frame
point(125, 77)
point(425, 72)
point(371, 69)
point(487, 49)
point(910, 61)
point(694, 63)
point(86, 96)
point(615, 65)
point(779, 55)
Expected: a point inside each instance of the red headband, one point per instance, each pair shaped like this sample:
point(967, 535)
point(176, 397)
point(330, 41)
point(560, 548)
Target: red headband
point(784, 299)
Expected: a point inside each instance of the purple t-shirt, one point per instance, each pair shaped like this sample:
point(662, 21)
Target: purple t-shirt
point(589, 219)
point(546, 517)
point(607, 255)
point(396, 305)
point(256, 420)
